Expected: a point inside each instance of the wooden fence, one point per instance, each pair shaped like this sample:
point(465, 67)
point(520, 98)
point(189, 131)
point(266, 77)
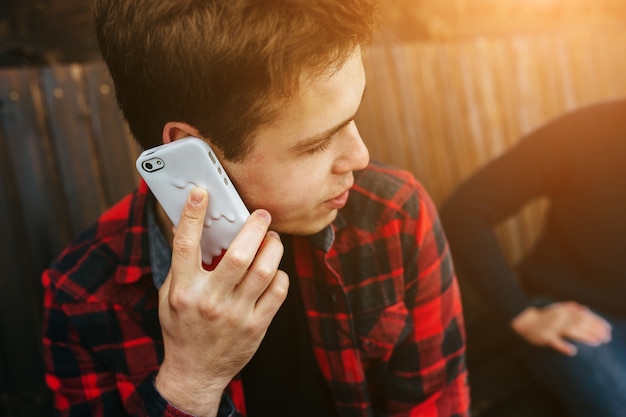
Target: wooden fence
point(65, 156)
point(441, 110)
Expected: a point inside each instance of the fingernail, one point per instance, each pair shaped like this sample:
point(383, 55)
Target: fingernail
point(274, 235)
point(196, 196)
point(264, 215)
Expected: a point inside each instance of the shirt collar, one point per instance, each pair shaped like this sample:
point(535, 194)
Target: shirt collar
point(325, 238)
point(160, 251)
point(134, 260)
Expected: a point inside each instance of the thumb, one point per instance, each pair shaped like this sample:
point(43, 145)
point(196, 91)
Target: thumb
point(561, 346)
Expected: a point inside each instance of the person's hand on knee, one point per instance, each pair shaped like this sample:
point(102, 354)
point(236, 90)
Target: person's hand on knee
point(557, 324)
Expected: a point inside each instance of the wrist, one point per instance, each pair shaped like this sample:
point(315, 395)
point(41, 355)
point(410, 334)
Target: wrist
point(193, 396)
point(524, 320)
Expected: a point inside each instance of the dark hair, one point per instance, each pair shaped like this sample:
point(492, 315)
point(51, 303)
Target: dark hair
point(223, 66)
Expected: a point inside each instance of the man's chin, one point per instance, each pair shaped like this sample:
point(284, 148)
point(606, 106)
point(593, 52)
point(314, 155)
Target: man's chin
point(306, 228)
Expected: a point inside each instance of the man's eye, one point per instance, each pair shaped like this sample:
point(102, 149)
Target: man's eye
point(319, 148)
point(326, 142)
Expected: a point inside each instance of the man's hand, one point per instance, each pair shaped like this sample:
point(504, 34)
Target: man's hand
point(557, 323)
point(213, 322)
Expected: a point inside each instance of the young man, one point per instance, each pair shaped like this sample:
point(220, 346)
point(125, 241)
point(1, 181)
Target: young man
point(566, 296)
point(372, 321)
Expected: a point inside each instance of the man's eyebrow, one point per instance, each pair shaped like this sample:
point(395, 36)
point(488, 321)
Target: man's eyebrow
point(311, 141)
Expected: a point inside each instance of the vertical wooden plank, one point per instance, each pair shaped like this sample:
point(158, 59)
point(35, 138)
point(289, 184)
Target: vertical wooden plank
point(384, 113)
point(613, 60)
point(30, 238)
point(34, 174)
point(406, 134)
point(364, 118)
point(71, 138)
point(467, 144)
point(524, 79)
point(114, 148)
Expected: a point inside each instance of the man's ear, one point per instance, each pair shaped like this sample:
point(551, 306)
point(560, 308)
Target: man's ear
point(177, 130)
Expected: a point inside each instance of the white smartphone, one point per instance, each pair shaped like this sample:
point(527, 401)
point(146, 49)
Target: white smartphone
point(171, 170)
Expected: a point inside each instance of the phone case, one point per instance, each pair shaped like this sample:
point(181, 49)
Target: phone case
point(171, 170)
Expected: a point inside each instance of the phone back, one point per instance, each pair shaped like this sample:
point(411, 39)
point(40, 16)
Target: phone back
point(172, 170)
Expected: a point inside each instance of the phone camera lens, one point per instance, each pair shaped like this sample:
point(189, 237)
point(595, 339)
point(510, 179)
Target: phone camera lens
point(153, 164)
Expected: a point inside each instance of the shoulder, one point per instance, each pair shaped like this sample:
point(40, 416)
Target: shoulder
point(382, 193)
point(96, 255)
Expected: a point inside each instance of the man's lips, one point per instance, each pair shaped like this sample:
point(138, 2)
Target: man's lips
point(340, 200)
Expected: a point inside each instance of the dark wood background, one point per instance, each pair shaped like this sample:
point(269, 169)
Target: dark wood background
point(45, 31)
point(59, 167)
point(59, 31)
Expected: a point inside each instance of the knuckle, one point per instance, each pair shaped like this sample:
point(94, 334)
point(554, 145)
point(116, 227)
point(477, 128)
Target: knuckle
point(265, 274)
point(249, 327)
point(211, 311)
point(184, 243)
point(236, 260)
point(192, 214)
point(246, 327)
point(275, 246)
point(279, 291)
point(178, 300)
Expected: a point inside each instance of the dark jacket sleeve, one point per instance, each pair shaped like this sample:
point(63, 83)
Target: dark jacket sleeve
point(533, 168)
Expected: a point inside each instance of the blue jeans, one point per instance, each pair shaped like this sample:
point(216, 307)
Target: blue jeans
point(593, 382)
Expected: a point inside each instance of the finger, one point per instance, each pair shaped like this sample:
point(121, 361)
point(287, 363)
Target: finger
point(270, 301)
point(560, 345)
point(582, 335)
point(586, 313)
point(594, 323)
point(598, 321)
point(243, 250)
point(589, 330)
point(186, 255)
point(262, 271)
point(598, 328)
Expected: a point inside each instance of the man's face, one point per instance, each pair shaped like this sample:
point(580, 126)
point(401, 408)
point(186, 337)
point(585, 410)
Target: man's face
point(300, 167)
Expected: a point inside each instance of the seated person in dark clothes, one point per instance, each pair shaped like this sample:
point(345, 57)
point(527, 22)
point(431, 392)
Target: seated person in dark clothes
point(372, 323)
point(567, 296)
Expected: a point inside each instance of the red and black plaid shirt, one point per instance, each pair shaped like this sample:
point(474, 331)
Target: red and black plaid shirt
point(379, 290)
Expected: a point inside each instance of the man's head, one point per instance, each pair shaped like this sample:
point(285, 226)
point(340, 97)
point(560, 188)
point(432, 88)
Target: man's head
point(225, 67)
